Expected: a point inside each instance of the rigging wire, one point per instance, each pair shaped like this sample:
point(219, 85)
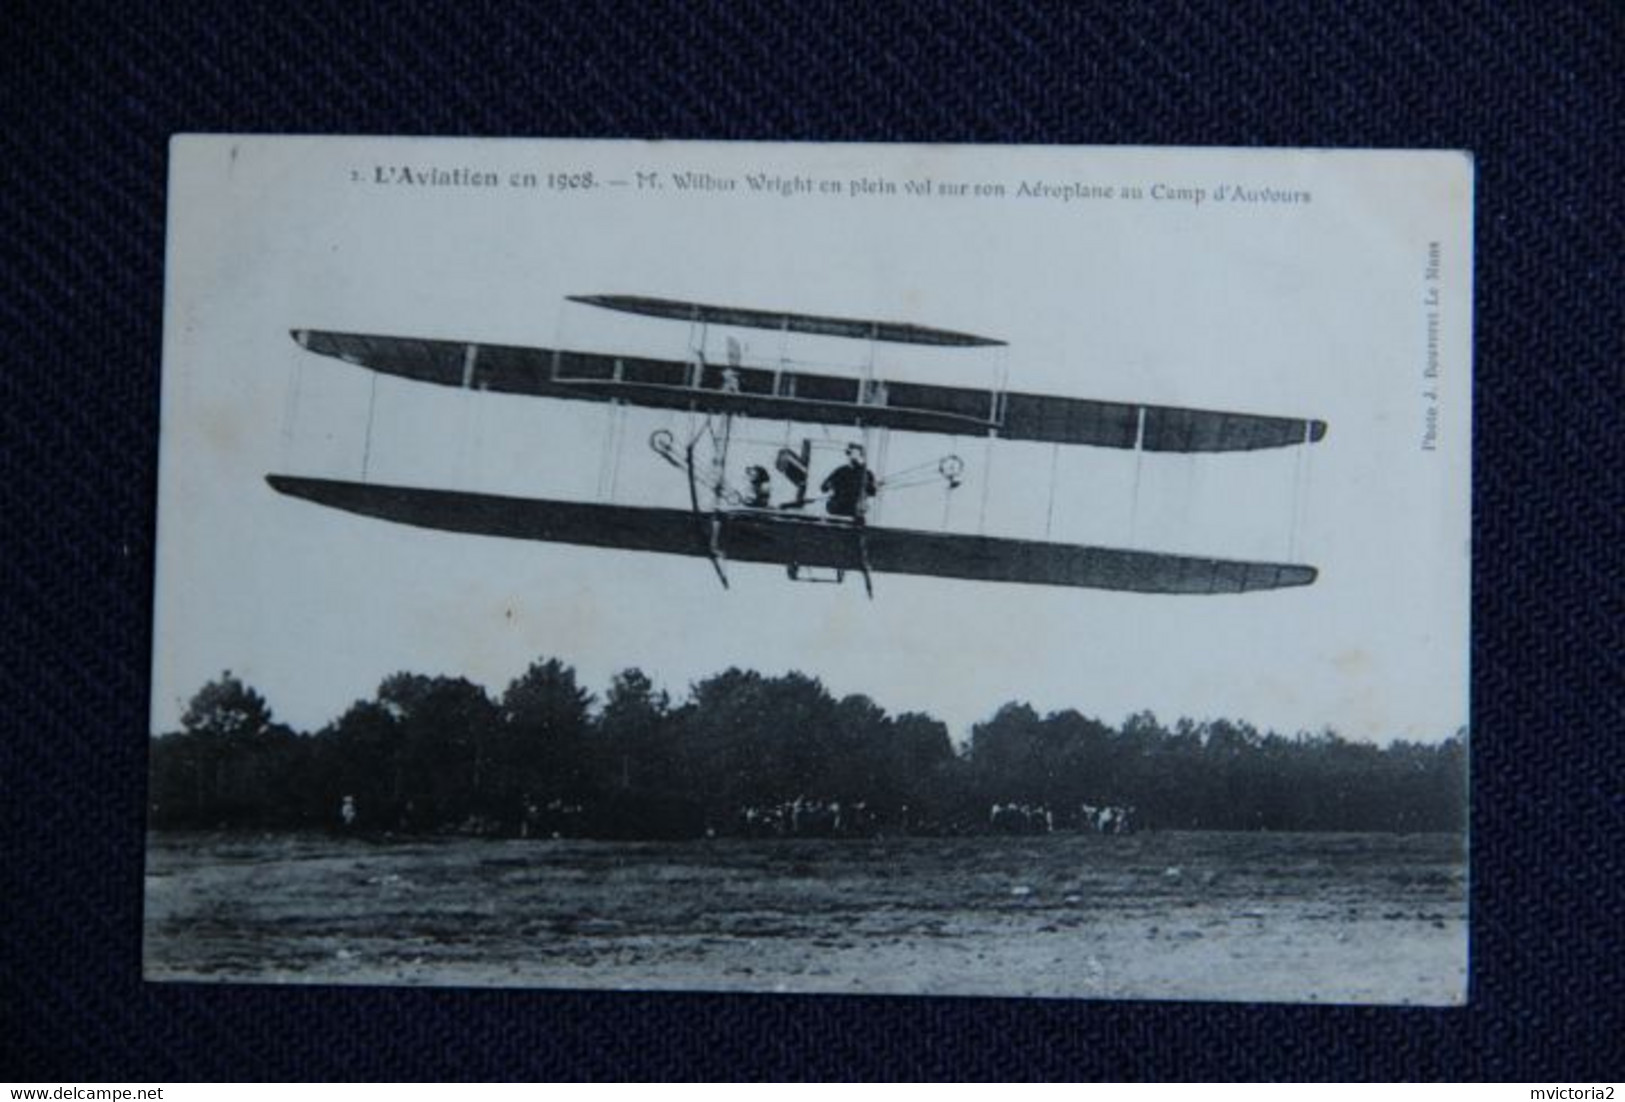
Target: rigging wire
point(291, 407)
point(1139, 462)
point(620, 439)
point(892, 484)
point(882, 457)
point(467, 411)
point(1296, 511)
point(1308, 479)
point(987, 483)
point(610, 453)
point(933, 465)
point(1001, 379)
point(1049, 513)
point(465, 414)
point(372, 405)
point(477, 449)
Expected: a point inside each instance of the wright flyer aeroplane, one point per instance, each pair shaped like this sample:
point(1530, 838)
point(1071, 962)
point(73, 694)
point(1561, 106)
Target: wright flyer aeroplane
point(807, 506)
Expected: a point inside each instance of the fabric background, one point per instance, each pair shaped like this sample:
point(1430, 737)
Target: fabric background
point(89, 95)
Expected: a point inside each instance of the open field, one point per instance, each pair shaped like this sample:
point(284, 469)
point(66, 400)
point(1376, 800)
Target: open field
point(1299, 917)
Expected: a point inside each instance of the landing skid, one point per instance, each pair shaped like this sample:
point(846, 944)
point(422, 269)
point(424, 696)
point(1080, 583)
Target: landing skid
point(815, 575)
point(833, 575)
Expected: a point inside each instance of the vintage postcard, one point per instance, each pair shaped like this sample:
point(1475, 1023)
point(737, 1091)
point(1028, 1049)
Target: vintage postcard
point(1012, 571)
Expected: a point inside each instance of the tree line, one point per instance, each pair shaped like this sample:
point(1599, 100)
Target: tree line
point(748, 753)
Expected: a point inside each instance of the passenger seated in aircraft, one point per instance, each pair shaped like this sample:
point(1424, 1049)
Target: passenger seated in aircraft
point(760, 494)
point(848, 487)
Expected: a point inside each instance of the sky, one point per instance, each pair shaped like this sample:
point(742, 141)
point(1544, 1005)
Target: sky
point(1301, 309)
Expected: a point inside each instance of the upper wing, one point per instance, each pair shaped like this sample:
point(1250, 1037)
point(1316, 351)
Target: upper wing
point(820, 324)
point(750, 537)
point(1164, 429)
point(812, 398)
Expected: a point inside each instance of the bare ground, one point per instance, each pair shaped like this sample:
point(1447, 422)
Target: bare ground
point(1267, 917)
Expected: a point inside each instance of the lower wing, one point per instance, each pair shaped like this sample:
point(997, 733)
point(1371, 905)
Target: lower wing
point(804, 541)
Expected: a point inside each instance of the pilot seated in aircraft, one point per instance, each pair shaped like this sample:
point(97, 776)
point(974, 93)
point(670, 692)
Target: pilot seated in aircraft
point(850, 486)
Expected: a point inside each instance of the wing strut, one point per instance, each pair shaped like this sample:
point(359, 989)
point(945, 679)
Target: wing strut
point(860, 522)
point(1139, 462)
point(710, 529)
point(863, 560)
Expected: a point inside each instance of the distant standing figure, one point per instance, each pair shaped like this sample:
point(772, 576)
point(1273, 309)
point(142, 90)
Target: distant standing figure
point(347, 812)
point(849, 487)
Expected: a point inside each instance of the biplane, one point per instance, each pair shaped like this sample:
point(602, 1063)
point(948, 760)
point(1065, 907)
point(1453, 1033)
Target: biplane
point(815, 533)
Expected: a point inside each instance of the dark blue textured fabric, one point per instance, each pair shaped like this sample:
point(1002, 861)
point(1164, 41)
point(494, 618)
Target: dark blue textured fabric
point(90, 93)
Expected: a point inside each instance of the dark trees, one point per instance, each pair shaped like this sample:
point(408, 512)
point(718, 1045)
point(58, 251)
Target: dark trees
point(431, 753)
point(541, 750)
point(229, 763)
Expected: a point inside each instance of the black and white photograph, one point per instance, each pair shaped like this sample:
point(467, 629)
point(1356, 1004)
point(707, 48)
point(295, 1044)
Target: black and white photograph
point(840, 569)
